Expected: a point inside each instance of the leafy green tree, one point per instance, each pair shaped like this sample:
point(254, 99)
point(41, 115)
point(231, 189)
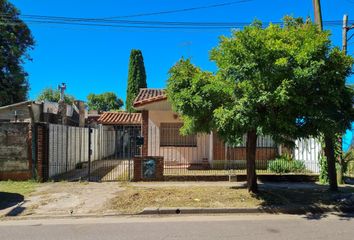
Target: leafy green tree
point(267, 83)
point(332, 110)
point(107, 101)
point(53, 95)
point(15, 41)
point(136, 78)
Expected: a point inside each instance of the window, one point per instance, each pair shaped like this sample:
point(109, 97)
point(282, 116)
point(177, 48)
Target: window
point(170, 136)
point(264, 141)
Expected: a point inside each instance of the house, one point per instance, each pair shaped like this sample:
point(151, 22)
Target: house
point(43, 111)
point(160, 128)
point(25, 135)
point(27, 111)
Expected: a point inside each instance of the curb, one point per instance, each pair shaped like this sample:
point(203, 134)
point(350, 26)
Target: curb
point(190, 211)
point(261, 210)
point(39, 217)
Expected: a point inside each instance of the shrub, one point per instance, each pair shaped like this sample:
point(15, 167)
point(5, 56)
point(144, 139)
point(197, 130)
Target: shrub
point(285, 164)
point(348, 161)
point(323, 178)
point(350, 168)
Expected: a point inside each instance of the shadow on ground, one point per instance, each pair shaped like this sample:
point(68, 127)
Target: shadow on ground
point(10, 199)
point(311, 200)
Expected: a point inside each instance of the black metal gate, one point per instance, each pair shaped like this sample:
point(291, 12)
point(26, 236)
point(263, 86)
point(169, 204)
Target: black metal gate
point(104, 153)
point(112, 152)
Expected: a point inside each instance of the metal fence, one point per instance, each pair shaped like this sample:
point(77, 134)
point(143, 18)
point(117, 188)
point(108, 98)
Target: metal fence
point(110, 157)
point(207, 154)
point(113, 148)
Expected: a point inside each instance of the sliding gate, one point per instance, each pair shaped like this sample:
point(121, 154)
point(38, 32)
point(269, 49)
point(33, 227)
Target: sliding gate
point(104, 153)
point(113, 149)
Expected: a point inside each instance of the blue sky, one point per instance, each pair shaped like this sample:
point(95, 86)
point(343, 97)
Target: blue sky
point(95, 59)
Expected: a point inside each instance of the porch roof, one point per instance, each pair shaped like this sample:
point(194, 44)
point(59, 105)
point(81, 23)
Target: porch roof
point(120, 118)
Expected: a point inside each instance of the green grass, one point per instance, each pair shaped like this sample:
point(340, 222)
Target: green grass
point(24, 188)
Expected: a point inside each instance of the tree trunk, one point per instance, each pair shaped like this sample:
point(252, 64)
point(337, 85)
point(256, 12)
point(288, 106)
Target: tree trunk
point(331, 163)
point(251, 148)
point(340, 160)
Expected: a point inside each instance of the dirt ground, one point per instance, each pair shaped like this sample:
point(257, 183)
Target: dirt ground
point(83, 198)
point(75, 198)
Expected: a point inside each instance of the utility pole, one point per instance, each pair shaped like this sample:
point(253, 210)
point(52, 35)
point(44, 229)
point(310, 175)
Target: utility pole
point(318, 14)
point(345, 31)
point(345, 40)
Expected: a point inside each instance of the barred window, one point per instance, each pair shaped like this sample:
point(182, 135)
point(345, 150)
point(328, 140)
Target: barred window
point(170, 136)
point(262, 141)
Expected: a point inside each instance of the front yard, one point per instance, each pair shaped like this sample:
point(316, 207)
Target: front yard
point(134, 199)
point(77, 198)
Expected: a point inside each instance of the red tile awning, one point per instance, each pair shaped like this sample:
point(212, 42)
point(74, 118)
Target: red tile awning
point(120, 118)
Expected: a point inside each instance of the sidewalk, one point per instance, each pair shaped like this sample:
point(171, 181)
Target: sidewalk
point(64, 199)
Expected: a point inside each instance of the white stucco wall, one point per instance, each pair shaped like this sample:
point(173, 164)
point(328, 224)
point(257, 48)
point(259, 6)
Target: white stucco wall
point(175, 155)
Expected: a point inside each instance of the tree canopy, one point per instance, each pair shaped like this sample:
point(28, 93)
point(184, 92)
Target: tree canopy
point(107, 101)
point(268, 81)
point(53, 95)
point(15, 41)
point(136, 78)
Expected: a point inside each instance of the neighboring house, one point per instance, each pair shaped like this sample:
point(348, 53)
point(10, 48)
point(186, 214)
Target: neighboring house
point(28, 111)
point(27, 129)
point(160, 127)
point(38, 111)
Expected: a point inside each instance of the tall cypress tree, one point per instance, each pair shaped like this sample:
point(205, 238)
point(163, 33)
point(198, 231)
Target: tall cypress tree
point(15, 40)
point(136, 78)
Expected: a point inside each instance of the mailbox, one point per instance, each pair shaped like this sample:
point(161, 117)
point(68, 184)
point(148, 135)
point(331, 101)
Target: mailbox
point(148, 168)
point(139, 140)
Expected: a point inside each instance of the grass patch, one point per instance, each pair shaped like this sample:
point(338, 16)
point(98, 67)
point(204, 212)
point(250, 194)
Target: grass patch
point(24, 188)
point(135, 199)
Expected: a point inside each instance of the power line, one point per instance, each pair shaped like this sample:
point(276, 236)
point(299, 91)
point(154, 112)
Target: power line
point(94, 21)
point(116, 25)
point(158, 13)
point(181, 10)
point(98, 22)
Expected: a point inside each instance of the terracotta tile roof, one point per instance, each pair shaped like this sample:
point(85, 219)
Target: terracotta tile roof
point(149, 95)
point(120, 118)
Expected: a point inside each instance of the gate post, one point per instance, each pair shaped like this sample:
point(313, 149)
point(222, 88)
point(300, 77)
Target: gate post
point(89, 153)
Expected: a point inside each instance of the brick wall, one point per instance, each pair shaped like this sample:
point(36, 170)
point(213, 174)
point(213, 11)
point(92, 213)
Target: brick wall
point(42, 152)
point(239, 153)
point(145, 132)
point(262, 153)
point(15, 151)
point(218, 148)
point(138, 176)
